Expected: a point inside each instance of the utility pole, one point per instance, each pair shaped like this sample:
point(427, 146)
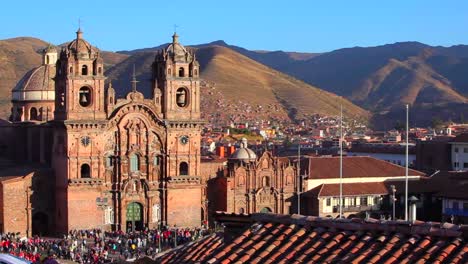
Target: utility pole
point(341, 161)
point(406, 167)
point(393, 200)
point(299, 178)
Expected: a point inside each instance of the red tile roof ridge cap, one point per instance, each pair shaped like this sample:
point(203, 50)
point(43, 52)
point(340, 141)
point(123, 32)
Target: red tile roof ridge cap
point(370, 224)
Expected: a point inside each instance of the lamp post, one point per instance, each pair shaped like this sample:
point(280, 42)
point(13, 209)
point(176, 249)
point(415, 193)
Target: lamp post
point(299, 178)
point(393, 200)
point(206, 213)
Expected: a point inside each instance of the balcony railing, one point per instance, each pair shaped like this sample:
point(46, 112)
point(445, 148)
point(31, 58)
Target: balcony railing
point(459, 212)
point(89, 181)
point(185, 179)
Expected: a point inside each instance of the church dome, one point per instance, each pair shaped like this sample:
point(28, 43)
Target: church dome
point(36, 85)
point(177, 51)
point(243, 153)
point(80, 45)
point(50, 49)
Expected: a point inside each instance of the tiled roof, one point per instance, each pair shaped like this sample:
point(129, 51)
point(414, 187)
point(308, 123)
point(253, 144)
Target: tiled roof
point(299, 239)
point(462, 138)
point(456, 185)
point(352, 189)
point(354, 167)
point(382, 148)
point(193, 252)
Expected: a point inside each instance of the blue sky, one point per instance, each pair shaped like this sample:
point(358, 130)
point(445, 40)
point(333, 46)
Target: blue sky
point(309, 26)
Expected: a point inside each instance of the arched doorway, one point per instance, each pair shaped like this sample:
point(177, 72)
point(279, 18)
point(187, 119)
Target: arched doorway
point(266, 210)
point(40, 224)
point(134, 217)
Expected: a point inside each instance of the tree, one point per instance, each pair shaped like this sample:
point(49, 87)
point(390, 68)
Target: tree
point(437, 123)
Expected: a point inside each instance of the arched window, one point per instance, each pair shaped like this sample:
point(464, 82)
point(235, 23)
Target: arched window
point(195, 72)
point(182, 97)
point(47, 59)
point(33, 113)
point(169, 72)
point(85, 171)
point(85, 96)
point(183, 168)
point(181, 72)
point(134, 163)
point(100, 70)
point(84, 70)
point(109, 161)
point(71, 70)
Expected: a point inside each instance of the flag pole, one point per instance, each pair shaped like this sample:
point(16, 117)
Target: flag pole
point(406, 167)
point(341, 160)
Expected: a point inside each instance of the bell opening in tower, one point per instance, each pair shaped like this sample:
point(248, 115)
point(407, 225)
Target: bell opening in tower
point(85, 96)
point(182, 98)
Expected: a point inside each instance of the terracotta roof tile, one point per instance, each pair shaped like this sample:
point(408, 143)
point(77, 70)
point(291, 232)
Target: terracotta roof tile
point(295, 239)
point(354, 167)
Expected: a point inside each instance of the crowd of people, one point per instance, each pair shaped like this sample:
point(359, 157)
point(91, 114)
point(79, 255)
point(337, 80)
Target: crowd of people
point(96, 246)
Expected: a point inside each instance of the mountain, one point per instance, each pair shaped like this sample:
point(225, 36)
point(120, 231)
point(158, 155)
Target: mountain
point(18, 56)
point(239, 88)
point(382, 79)
point(275, 59)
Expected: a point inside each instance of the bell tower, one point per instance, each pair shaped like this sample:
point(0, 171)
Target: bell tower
point(176, 88)
point(176, 78)
point(79, 89)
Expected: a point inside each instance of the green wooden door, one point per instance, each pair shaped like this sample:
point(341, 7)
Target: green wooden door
point(134, 212)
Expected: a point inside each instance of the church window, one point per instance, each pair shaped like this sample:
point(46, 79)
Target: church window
point(241, 180)
point(182, 97)
point(85, 171)
point(266, 181)
point(109, 161)
point(71, 70)
point(169, 72)
point(33, 114)
point(195, 72)
point(47, 59)
point(134, 163)
point(183, 168)
point(84, 70)
point(100, 70)
point(181, 72)
point(85, 96)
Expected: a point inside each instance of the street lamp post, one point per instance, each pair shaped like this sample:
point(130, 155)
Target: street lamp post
point(393, 199)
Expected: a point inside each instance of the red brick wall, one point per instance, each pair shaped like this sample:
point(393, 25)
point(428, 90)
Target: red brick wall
point(83, 212)
point(184, 207)
point(14, 205)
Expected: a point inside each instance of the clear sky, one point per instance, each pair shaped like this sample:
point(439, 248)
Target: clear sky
point(308, 25)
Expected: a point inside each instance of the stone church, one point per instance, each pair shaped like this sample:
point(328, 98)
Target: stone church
point(118, 164)
point(256, 184)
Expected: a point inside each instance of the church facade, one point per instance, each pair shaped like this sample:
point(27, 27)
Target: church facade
point(120, 164)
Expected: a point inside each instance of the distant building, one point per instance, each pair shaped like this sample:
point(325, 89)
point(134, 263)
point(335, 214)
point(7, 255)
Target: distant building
point(454, 195)
point(459, 150)
point(363, 184)
point(433, 155)
point(393, 136)
point(394, 153)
